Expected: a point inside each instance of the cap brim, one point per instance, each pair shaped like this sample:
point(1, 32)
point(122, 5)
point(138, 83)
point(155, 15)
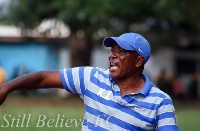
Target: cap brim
point(110, 41)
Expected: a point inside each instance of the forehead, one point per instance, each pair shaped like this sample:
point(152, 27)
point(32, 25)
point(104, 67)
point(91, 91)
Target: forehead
point(116, 46)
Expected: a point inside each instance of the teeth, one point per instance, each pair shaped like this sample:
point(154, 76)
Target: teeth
point(111, 63)
point(113, 68)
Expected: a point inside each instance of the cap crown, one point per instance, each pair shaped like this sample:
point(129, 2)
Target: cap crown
point(132, 42)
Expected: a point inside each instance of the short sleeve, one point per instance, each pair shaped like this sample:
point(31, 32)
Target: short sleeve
point(166, 116)
point(74, 79)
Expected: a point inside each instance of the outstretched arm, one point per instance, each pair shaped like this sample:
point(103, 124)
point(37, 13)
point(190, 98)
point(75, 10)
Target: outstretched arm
point(38, 80)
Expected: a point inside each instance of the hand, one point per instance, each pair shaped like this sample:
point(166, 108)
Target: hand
point(3, 93)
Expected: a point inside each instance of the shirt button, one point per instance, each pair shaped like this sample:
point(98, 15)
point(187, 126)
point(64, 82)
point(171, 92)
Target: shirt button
point(121, 103)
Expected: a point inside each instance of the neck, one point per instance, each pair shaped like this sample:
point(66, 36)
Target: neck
point(130, 85)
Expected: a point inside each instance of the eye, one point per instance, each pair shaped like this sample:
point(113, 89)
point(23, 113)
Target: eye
point(122, 51)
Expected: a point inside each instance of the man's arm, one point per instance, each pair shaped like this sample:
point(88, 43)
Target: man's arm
point(166, 117)
point(38, 80)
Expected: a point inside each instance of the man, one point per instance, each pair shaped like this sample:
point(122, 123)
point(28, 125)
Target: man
point(119, 98)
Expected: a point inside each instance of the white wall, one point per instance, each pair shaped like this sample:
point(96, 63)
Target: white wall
point(99, 58)
point(159, 59)
point(162, 58)
point(64, 56)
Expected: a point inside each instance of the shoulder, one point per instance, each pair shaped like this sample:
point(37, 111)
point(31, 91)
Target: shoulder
point(86, 72)
point(89, 71)
point(160, 98)
point(158, 91)
point(90, 68)
point(100, 72)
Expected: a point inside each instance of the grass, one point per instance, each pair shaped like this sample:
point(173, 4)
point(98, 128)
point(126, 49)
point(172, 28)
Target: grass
point(47, 114)
point(188, 116)
point(71, 111)
point(38, 114)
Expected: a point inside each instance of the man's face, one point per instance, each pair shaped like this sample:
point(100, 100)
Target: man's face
point(122, 62)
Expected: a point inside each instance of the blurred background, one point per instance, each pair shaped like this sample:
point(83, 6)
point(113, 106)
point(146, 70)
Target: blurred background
point(40, 35)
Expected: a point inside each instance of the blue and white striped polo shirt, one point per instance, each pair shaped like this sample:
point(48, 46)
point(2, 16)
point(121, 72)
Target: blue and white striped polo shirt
point(150, 109)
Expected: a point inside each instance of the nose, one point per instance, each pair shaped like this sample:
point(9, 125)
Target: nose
point(113, 55)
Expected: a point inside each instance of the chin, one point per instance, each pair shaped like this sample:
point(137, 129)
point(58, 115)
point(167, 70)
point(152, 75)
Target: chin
point(114, 76)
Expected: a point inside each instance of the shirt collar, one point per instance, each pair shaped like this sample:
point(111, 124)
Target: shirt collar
point(147, 86)
point(145, 90)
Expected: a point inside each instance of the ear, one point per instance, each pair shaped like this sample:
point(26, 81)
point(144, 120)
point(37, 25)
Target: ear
point(140, 61)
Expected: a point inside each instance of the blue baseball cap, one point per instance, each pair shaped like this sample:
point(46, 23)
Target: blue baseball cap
point(131, 42)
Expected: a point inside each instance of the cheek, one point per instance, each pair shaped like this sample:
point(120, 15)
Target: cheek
point(122, 57)
point(126, 65)
point(128, 61)
point(130, 64)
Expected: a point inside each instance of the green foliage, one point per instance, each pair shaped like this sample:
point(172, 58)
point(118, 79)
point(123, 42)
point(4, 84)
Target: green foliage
point(90, 15)
point(29, 13)
point(180, 14)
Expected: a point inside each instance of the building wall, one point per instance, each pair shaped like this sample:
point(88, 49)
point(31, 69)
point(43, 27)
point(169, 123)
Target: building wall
point(41, 56)
point(164, 58)
point(32, 56)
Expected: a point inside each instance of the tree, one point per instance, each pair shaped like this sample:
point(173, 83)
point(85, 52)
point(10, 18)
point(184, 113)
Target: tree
point(91, 20)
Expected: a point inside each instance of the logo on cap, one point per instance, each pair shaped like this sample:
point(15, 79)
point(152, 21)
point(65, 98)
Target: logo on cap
point(140, 50)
